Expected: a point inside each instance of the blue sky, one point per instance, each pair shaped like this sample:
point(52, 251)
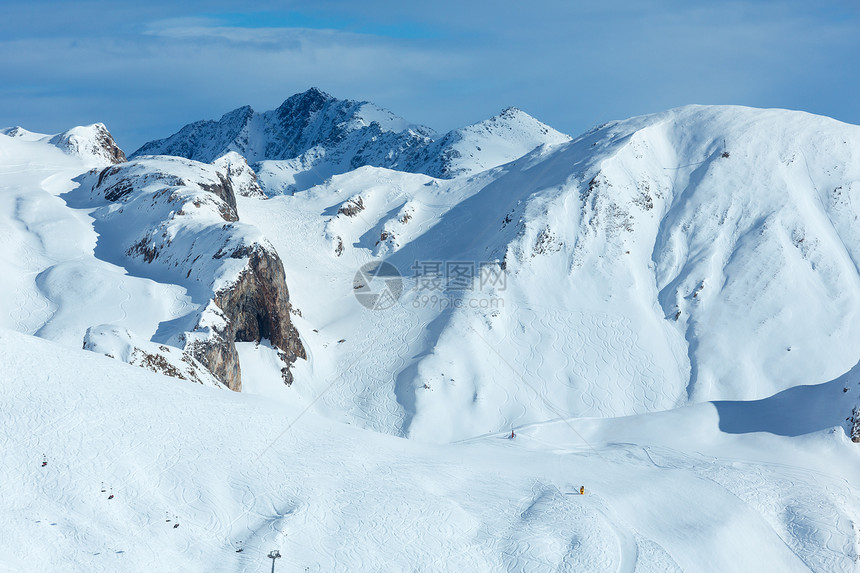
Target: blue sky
point(146, 70)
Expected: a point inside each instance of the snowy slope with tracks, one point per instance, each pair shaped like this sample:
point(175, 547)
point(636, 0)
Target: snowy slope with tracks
point(701, 254)
point(668, 317)
point(665, 492)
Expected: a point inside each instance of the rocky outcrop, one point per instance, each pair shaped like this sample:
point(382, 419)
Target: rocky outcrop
point(175, 220)
point(121, 344)
point(254, 307)
point(91, 141)
point(240, 174)
point(854, 425)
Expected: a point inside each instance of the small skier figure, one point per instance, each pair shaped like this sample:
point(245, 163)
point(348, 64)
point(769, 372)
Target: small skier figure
point(103, 487)
point(582, 490)
point(175, 525)
point(511, 437)
point(111, 494)
point(44, 460)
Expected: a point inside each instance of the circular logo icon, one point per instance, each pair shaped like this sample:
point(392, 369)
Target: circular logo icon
point(377, 285)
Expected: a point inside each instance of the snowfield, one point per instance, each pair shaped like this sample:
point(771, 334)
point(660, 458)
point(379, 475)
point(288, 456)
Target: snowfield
point(663, 311)
point(669, 491)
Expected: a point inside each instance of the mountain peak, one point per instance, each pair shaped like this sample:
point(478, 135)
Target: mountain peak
point(312, 100)
point(16, 131)
point(315, 92)
point(511, 111)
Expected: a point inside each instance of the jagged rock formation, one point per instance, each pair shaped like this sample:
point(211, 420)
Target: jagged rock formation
point(175, 220)
point(313, 136)
point(254, 307)
point(240, 174)
point(120, 344)
point(90, 142)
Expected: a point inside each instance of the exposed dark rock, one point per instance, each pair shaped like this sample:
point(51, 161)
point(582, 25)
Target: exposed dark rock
point(257, 306)
point(240, 174)
point(224, 190)
point(352, 207)
point(121, 344)
point(854, 422)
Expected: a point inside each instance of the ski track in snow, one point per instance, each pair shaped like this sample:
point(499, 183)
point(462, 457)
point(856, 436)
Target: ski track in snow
point(602, 361)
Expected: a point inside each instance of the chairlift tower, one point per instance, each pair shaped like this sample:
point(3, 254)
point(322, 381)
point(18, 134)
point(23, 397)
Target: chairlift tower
point(274, 554)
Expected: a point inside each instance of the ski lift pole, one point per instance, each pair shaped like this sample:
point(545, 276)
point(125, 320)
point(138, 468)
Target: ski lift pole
point(274, 554)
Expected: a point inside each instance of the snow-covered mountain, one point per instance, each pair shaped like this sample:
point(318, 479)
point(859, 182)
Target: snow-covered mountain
point(312, 119)
point(175, 221)
point(143, 260)
point(705, 253)
point(484, 145)
point(662, 310)
point(313, 136)
point(92, 143)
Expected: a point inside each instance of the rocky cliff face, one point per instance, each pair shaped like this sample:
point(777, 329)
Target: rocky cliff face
point(175, 220)
point(240, 174)
point(854, 425)
point(313, 119)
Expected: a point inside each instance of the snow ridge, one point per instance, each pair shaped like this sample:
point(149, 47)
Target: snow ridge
point(92, 143)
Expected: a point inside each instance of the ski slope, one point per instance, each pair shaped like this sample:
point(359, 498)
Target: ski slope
point(666, 491)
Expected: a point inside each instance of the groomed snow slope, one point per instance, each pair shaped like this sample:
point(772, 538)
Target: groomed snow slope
point(663, 492)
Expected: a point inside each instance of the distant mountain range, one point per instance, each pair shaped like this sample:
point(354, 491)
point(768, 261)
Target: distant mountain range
point(313, 136)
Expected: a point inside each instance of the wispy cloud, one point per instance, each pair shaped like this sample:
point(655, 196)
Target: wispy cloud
point(147, 69)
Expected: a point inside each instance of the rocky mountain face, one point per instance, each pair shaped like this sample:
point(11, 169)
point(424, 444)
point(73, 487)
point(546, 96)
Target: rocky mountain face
point(175, 220)
point(313, 136)
point(306, 125)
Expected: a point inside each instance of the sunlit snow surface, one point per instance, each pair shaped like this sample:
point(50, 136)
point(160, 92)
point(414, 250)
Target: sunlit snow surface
point(605, 240)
